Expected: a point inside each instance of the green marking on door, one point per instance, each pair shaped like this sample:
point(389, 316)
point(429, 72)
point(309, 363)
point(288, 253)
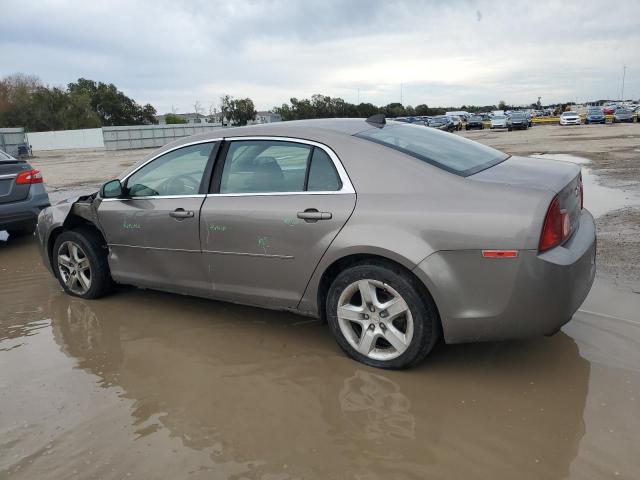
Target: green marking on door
point(130, 226)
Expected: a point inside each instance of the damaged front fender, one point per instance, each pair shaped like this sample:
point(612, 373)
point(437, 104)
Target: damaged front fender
point(70, 213)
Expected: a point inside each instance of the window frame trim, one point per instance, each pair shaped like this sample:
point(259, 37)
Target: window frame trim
point(347, 186)
point(205, 176)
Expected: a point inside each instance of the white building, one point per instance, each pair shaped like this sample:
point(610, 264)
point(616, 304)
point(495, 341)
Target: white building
point(267, 117)
point(188, 117)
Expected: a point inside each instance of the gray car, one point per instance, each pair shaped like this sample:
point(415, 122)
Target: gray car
point(395, 234)
point(22, 195)
point(623, 115)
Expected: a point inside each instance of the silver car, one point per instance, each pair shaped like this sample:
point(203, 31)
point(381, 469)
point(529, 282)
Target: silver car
point(396, 234)
point(22, 195)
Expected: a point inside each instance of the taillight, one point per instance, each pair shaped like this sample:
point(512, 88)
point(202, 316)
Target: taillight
point(556, 228)
point(29, 177)
point(581, 184)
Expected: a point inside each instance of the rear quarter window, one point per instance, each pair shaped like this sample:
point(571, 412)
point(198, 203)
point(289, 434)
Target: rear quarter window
point(447, 151)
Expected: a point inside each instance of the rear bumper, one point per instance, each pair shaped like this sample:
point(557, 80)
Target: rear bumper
point(484, 299)
point(18, 214)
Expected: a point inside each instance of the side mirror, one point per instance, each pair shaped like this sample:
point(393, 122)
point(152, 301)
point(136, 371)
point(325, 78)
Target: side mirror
point(111, 189)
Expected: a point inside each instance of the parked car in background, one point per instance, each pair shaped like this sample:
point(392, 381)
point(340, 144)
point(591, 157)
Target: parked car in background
point(22, 195)
point(500, 121)
point(274, 208)
point(519, 120)
point(595, 115)
point(570, 118)
point(623, 115)
point(475, 121)
point(457, 121)
point(609, 109)
point(443, 122)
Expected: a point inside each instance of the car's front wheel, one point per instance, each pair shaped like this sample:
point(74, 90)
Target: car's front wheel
point(381, 316)
point(80, 263)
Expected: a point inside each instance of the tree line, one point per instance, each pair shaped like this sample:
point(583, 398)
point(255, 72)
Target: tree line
point(323, 106)
point(26, 102)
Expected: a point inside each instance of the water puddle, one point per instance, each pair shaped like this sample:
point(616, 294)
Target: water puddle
point(143, 384)
point(598, 199)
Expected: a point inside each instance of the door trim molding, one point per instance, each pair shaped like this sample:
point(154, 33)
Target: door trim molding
point(153, 248)
point(266, 255)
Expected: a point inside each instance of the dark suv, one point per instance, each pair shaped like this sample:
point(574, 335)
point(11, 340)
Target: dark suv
point(475, 121)
point(442, 123)
point(519, 120)
point(22, 195)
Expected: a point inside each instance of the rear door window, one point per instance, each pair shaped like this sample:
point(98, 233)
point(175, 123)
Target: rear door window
point(274, 166)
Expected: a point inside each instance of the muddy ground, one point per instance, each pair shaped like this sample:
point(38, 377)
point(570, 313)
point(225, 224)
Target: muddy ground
point(148, 385)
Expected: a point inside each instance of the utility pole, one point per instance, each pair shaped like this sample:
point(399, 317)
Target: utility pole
point(624, 71)
point(401, 93)
point(358, 97)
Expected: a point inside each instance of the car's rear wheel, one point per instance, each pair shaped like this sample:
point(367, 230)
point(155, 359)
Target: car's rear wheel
point(80, 263)
point(380, 316)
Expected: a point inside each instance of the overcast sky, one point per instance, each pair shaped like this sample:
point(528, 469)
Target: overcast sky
point(172, 53)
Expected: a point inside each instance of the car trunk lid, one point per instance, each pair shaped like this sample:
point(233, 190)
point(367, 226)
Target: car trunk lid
point(562, 178)
point(9, 190)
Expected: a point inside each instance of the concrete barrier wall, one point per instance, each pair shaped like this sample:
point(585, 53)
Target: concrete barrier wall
point(66, 139)
point(147, 136)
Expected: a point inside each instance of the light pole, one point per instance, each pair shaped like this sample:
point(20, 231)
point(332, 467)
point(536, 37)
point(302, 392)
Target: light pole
point(624, 71)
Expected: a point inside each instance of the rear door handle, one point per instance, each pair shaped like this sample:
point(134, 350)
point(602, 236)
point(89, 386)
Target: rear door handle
point(181, 213)
point(313, 215)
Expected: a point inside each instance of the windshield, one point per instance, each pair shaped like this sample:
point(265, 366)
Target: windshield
point(498, 117)
point(475, 118)
point(444, 150)
point(595, 110)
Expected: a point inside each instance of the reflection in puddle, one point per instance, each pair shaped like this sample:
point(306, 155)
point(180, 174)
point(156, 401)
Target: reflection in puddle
point(598, 199)
point(143, 384)
point(375, 404)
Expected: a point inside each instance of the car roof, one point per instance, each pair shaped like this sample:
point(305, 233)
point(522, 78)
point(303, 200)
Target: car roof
point(346, 126)
point(321, 129)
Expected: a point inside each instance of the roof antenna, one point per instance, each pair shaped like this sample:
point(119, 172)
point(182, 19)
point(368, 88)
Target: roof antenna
point(377, 120)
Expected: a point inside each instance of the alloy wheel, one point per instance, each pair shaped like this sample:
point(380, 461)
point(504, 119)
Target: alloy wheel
point(375, 319)
point(74, 267)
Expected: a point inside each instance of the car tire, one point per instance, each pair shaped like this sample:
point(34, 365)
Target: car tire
point(76, 252)
point(388, 283)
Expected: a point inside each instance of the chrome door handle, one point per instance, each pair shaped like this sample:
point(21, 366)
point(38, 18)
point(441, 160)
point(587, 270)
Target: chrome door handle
point(181, 213)
point(313, 215)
